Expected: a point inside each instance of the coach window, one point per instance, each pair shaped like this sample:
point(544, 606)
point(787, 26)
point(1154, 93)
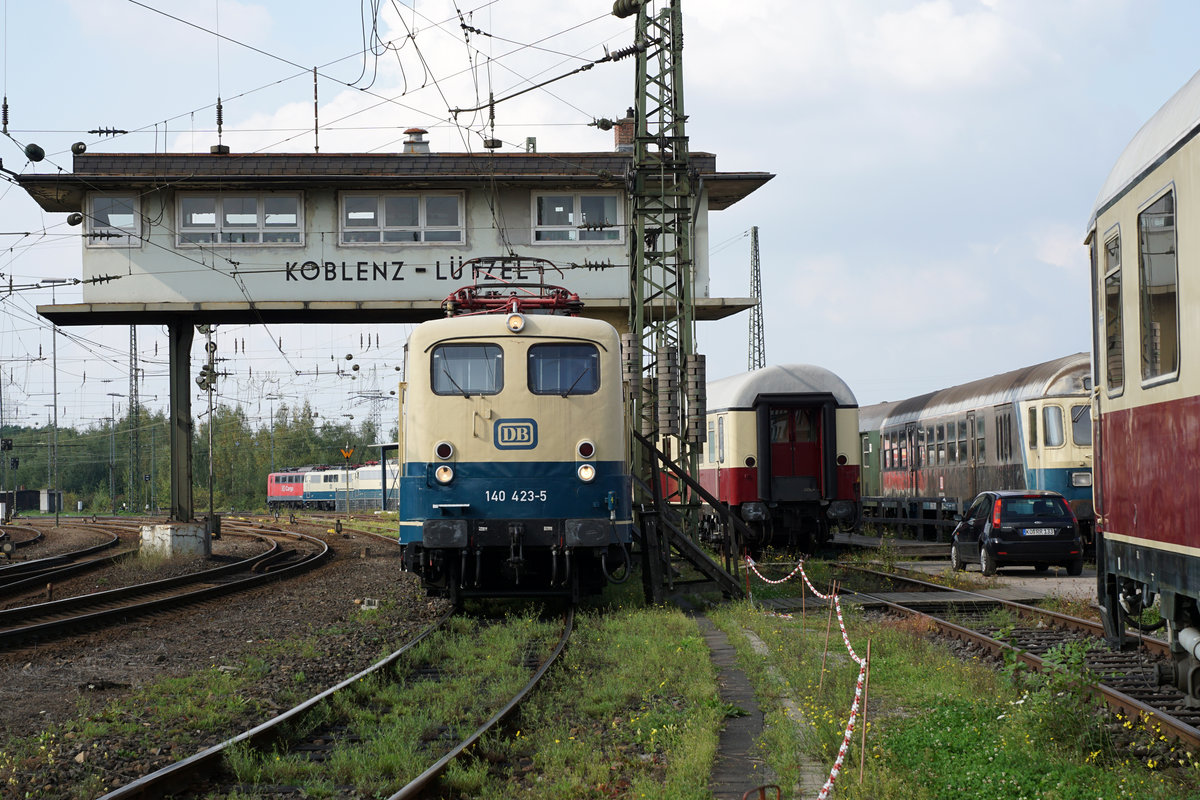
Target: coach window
point(576, 218)
point(866, 451)
point(467, 369)
point(564, 369)
point(113, 221)
point(941, 445)
point(239, 218)
point(980, 440)
point(1032, 433)
point(1158, 298)
point(1053, 434)
point(1114, 345)
point(712, 442)
point(962, 441)
point(396, 218)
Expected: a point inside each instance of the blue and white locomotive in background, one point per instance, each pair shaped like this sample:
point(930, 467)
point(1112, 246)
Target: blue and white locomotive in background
point(513, 455)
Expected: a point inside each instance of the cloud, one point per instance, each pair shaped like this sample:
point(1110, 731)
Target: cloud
point(933, 47)
point(1060, 246)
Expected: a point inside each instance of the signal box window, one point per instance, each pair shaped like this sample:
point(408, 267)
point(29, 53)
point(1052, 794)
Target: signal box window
point(1158, 283)
point(228, 218)
point(467, 369)
point(1114, 346)
point(564, 369)
point(576, 218)
point(394, 218)
point(113, 220)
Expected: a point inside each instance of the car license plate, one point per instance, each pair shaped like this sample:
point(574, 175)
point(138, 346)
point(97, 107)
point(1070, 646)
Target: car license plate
point(1038, 531)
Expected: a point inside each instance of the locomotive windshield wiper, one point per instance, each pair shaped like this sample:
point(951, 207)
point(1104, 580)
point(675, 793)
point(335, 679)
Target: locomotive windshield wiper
point(586, 370)
point(456, 386)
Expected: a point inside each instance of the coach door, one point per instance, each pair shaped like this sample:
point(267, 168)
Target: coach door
point(972, 456)
point(796, 435)
point(910, 459)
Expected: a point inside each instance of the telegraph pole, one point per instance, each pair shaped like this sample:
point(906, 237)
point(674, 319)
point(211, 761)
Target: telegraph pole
point(758, 347)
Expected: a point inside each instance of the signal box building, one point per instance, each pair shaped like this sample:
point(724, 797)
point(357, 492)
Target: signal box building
point(227, 237)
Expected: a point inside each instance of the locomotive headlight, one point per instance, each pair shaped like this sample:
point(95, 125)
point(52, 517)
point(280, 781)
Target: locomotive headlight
point(586, 473)
point(586, 449)
point(515, 323)
point(444, 474)
point(1081, 479)
point(443, 450)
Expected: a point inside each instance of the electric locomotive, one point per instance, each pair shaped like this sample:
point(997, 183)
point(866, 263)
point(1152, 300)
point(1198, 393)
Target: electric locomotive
point(513, 454)
point(1146, 340)
point(286, 489)
point(781, 452)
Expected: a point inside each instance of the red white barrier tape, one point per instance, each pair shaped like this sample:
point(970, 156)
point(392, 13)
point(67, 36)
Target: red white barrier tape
point(841, 756)
point(812, 588)
point(862, 668)
point(837, 603)
point(754, 568)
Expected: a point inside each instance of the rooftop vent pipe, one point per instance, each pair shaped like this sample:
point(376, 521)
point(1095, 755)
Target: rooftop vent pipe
point(415, 143)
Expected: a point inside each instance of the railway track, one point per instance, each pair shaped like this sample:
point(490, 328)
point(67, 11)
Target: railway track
point(90, 611)
point(24, 576)
point(312, 733)
point(1130, 681)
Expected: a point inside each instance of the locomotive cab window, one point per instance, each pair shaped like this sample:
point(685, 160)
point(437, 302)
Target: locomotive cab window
point(564, 369)
point(467, 369)
point(1158, 296)
point(1053, 434)
point(1081, 425)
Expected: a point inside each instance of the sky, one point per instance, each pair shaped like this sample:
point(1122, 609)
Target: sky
point(935, 165)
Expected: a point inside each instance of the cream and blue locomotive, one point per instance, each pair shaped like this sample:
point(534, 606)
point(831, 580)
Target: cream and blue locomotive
point(513, 453)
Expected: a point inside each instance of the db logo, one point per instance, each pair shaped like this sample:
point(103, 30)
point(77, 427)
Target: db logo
point(515, 434)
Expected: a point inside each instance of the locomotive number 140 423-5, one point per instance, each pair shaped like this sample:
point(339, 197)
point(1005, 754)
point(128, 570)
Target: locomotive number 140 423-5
point(516, 496)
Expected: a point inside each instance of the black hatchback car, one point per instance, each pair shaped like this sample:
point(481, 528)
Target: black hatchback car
point(1018, 528)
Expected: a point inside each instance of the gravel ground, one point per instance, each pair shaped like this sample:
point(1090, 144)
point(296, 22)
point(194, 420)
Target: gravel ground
point(1053, 583)
point(48, 684)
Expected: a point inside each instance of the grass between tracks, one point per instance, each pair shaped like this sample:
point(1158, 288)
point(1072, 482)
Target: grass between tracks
point(632, 711)
point(940, 726)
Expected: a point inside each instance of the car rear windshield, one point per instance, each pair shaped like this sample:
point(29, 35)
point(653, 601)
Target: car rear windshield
point(1024, 509)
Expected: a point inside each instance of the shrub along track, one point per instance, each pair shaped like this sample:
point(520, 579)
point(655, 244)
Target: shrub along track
point(1130, 682)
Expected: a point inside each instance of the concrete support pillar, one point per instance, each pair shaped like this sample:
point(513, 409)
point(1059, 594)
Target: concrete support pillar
point(180, 355)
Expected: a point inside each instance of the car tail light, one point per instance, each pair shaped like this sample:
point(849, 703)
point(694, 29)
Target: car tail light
point(996, 514)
